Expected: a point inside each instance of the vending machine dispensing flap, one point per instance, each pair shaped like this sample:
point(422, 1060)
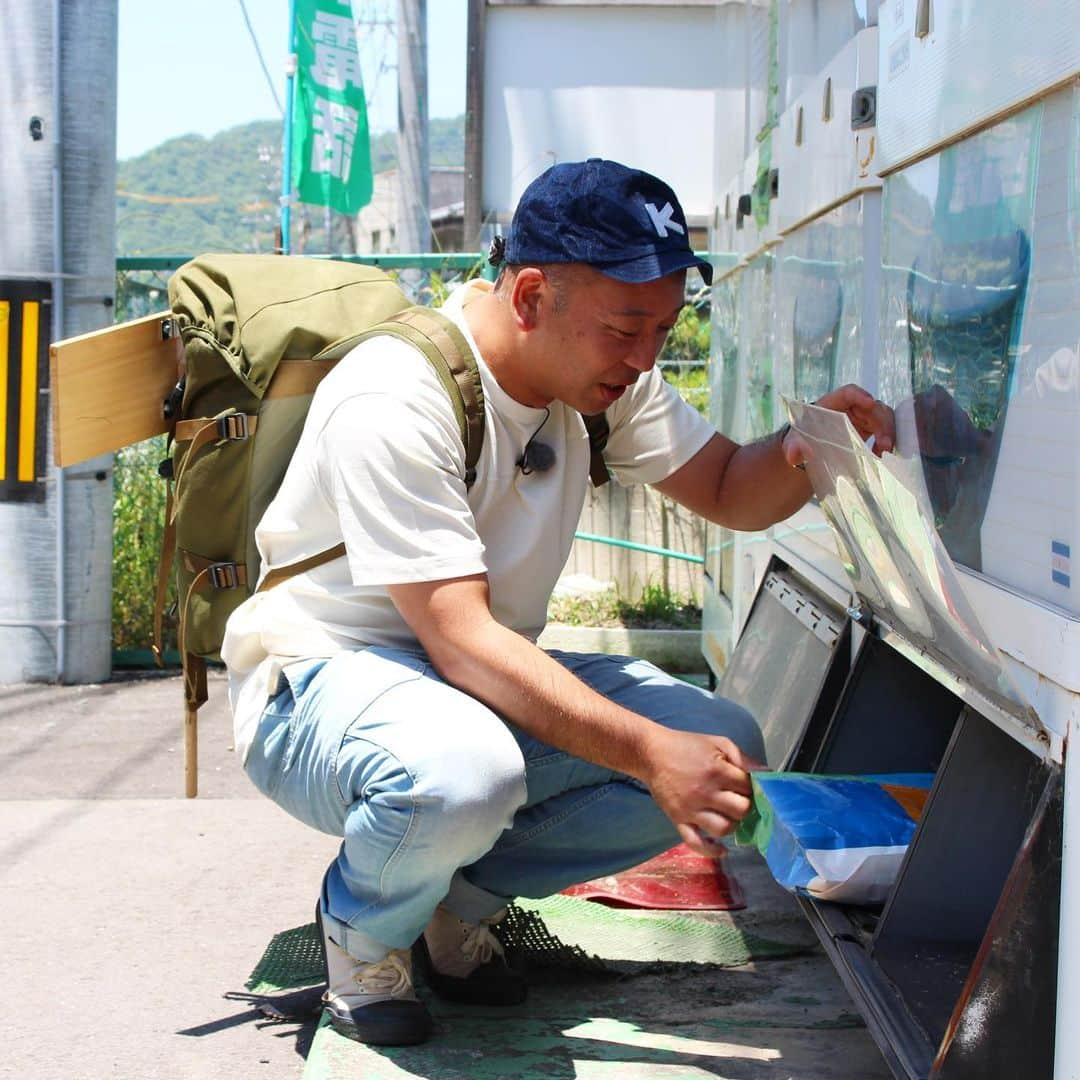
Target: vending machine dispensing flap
point(897, 563)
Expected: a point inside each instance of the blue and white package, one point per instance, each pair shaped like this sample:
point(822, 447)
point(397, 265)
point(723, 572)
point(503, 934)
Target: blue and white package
point(837, 838)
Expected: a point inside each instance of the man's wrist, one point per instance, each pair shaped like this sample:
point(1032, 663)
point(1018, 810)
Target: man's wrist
point(648, 751)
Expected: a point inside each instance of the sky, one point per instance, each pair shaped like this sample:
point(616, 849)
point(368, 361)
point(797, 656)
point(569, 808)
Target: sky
point(191, 68)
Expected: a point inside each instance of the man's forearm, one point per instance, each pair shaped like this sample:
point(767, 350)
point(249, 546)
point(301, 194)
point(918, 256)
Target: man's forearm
point(759, 487)
point(741, 487)
point(698, 780)
point(526, 686)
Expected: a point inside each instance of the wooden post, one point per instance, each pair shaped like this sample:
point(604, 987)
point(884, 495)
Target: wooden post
point(665, 541)
point(191, 751)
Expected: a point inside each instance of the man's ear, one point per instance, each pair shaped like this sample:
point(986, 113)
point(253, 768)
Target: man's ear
point(527, 297)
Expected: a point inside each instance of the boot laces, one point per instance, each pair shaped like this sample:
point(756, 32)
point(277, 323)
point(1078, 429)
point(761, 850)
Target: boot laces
point(479, 944)
point(388, 977)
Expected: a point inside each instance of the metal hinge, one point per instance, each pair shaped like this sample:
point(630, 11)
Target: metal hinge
point(804, 609)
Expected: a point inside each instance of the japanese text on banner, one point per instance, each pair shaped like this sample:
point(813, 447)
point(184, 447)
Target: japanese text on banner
point(332, 153)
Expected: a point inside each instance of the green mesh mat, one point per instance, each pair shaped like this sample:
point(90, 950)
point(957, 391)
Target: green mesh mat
point(558, 932)
point(291, 960)
point(609, 936)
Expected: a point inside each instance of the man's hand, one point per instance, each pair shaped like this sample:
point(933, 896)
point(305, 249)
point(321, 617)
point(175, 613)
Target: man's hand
point(867, 415)
point(701, 782)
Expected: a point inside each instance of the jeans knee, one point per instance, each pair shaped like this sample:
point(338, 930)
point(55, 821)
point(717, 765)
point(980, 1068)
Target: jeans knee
point(452, 804)
point(475, 784)
point(739, 725)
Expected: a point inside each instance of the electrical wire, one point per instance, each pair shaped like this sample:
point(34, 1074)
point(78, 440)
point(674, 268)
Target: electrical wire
point(258, 52)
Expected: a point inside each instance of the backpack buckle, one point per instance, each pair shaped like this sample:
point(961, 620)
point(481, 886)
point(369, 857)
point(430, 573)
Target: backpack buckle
point(233, 426)
point(223, 575)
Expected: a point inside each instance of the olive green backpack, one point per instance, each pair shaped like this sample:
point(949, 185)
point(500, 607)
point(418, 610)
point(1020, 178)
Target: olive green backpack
point(259, 333)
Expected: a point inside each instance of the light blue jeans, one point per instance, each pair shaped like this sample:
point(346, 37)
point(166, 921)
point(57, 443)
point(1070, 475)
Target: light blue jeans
point(438, 799)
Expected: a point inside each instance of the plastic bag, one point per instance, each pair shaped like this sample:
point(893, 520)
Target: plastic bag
point(835, 837)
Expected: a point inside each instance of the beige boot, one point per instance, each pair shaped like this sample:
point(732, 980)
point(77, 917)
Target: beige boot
point(372, 1002)
point(465, 961)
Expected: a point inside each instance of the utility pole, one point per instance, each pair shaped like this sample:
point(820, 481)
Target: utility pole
point(57, 279)
point(414, 174)
point(474, 125)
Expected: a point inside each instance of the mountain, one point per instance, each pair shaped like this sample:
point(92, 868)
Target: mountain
point(193, 194)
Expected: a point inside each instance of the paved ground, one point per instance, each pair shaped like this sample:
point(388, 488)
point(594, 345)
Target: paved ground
point(130, 914)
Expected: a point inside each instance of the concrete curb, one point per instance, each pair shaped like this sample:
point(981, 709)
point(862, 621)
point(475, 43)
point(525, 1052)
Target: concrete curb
point(673, 650)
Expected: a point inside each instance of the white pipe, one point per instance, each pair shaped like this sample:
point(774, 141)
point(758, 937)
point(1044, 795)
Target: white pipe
point(58, 333)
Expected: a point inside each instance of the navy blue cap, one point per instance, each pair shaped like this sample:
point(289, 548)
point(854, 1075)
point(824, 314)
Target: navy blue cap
point(623, 222)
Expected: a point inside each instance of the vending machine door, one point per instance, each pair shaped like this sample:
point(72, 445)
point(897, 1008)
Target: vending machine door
point(790, 663)
point(899, 568)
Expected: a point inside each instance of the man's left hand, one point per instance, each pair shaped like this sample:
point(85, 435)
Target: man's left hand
point(867, 415)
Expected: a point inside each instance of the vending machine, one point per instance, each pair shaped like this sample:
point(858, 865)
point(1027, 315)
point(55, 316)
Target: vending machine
point(917, 231)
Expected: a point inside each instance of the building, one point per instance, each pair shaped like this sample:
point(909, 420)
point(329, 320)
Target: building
point(376, 226)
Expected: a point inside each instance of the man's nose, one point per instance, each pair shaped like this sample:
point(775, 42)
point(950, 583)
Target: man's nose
point(643, 355)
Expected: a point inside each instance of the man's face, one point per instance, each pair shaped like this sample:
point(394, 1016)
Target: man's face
point(603, 334)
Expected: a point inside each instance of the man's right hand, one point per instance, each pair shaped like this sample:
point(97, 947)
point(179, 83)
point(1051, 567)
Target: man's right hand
point(701, 782)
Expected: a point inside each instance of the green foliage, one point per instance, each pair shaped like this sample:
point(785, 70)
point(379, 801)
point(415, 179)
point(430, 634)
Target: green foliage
point(138, 525)
point(141, 292)
point(435, 286)
point(688, 342)
point(192, 194)
point(446, 141)
point(656, 608)
point(684, 360)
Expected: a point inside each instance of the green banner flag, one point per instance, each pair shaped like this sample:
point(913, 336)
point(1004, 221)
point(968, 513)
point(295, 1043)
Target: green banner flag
point(332, 152)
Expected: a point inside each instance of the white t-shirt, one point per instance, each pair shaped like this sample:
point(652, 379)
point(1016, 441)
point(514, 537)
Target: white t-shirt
point(381, 465)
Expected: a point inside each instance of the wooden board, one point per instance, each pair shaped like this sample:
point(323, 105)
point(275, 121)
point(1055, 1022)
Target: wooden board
point(108, 386)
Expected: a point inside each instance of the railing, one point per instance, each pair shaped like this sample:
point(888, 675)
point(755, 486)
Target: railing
point(463, 260)
point(646, 549)
point(142, 280)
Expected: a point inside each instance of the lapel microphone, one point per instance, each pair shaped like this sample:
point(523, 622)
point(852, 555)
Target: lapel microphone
point(537, 456)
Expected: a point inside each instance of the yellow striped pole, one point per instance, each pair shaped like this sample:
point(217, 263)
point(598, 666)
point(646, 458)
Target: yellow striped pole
point(28, 396)
point(24, 377)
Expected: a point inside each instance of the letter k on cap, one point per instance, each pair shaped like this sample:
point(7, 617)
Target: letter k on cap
point(664, 219)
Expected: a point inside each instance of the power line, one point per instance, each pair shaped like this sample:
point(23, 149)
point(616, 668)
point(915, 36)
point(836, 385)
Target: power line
point(258, 51)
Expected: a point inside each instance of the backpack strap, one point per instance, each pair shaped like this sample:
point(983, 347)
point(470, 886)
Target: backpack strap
point(446, 350)
point(597, 426)
point(165, 562)
point(283, 573)
point(206, 430)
